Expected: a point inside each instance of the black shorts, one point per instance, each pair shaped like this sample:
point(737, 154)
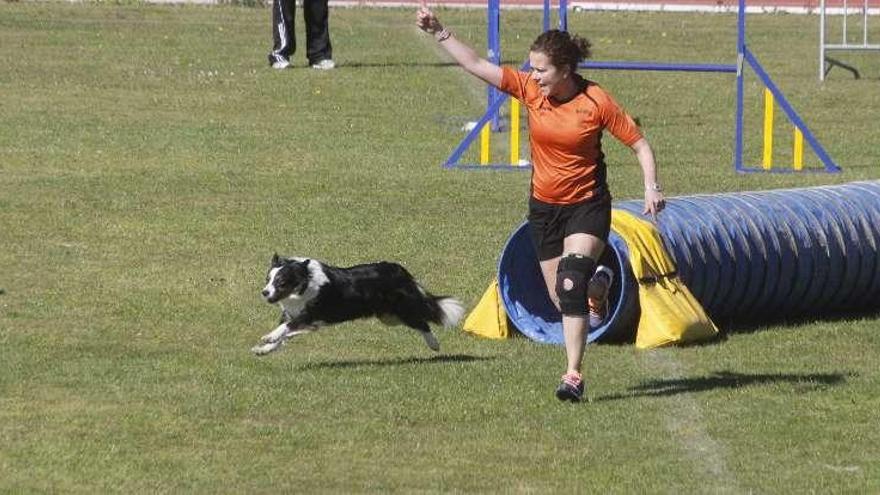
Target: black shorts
point(549, 224)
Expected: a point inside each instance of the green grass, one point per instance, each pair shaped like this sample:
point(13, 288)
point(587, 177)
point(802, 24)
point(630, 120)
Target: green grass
point(150, 164)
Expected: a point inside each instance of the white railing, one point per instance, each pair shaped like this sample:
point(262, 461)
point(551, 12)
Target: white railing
point(825, 62)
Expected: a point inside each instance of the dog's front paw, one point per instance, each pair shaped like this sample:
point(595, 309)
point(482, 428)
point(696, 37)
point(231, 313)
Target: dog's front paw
point(274, 335)
point(263, 349)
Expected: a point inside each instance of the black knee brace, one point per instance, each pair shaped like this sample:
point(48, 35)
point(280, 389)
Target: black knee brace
point(572, 277)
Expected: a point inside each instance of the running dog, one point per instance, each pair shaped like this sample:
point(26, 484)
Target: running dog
point(313, 294)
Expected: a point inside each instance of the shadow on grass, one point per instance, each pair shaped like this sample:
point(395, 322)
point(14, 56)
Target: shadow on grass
point(729, 380)
point(796, 321)
point(441, 359)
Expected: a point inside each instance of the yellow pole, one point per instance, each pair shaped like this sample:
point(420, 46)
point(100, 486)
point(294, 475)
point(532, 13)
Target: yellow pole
point(768, 129)
point(484, 143)
point(798, 149)
point(514, 131)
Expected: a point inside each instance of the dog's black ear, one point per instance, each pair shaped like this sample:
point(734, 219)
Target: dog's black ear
point(275, 260)
point(303, 268)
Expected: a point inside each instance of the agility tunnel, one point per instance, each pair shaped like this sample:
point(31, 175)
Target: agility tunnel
point(744, 257)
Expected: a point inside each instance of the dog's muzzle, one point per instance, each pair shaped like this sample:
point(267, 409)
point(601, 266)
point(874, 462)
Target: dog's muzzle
point(270, 295)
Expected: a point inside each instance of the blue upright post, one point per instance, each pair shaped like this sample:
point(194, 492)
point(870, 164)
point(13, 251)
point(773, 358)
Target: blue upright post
point(563, 15)
point(740, 49)
point(494, 54)
point(546, 15)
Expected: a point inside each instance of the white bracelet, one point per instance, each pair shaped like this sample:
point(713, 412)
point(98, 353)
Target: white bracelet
point(443, 35)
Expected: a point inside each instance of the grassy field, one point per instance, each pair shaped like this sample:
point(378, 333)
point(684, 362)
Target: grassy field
point(150, 164)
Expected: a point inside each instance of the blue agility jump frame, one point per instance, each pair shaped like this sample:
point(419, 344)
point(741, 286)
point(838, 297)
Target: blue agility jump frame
point(744, 56)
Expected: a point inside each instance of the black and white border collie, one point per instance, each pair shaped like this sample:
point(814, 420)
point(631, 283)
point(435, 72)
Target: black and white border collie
point(313, 294)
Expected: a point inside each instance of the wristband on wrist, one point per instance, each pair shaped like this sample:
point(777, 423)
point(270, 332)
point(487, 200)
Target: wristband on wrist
point(442, 35)
point(654, 186)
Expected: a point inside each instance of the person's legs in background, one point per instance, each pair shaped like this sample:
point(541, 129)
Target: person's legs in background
point(318, 48)
point(283, 39)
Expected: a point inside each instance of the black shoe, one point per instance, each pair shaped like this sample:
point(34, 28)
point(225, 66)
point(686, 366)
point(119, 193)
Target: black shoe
point(571, 388)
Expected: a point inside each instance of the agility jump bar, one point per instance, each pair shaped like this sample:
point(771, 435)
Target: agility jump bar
point(659, 66)
point(491, 112)
point(795, 119)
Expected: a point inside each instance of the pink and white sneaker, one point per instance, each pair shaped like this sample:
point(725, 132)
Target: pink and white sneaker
point(600, 286)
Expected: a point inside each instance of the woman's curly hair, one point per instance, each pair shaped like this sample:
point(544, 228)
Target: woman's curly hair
point(562, 48)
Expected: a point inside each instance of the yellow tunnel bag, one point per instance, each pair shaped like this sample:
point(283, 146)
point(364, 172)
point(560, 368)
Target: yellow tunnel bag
point(488, 319)
point(670, 314)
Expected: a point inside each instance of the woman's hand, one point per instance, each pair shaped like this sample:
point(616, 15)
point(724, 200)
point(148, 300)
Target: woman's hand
point(426, 20)
point(463, 55)
point(654, 203)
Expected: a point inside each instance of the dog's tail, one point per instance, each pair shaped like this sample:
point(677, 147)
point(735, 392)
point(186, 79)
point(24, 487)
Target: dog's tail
point(449, 311)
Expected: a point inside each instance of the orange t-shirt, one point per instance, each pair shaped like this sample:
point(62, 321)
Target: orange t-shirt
point(566, 138)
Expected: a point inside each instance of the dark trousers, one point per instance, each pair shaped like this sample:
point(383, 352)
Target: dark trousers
point(315, 13)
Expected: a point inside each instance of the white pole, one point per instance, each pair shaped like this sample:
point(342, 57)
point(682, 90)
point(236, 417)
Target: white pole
point(822, 40)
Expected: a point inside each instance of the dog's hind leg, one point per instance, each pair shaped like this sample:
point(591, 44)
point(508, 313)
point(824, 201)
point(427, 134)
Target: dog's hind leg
point(431, 341)
point(425, 331)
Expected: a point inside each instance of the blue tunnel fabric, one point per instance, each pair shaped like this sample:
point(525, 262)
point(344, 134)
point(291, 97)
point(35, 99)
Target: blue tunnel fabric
point(528, 304)
point(744, 256)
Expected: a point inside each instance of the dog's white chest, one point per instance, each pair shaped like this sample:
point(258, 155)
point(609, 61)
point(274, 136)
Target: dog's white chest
point(293, 306)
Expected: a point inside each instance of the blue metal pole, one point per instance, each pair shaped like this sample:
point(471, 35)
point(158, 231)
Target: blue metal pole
point(491, 113)
point(452, 161)
point(546, 15)
point(659, 66)
point(830, 166)
point(494, 55)
point(563, 15)
point(740, 92)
